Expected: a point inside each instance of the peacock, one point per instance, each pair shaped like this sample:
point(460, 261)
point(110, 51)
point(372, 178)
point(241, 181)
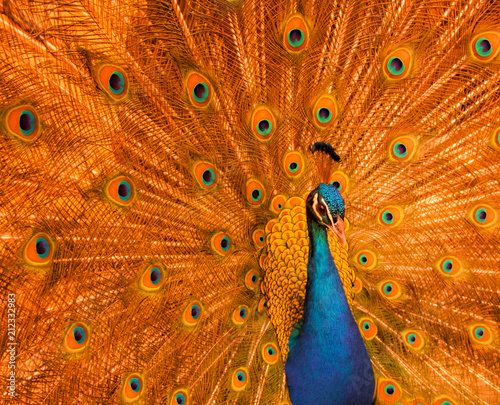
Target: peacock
point(285, 202)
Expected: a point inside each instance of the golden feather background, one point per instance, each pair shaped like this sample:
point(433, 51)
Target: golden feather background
point(50, 56)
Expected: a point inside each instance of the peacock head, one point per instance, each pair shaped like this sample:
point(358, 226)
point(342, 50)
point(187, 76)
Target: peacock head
point(325, 206)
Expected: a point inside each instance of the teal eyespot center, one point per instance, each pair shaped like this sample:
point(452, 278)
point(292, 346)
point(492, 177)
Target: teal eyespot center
point(240, 376)
point(200, 92)
point(481, 215)
point(296, 37)
point(400, 150)
point(363, 259)
point(180, 399)
point(124, 190)
point(324, 115)
point(270, 351)
point(116, 82)
point(208, 177)
point(387, 217)
point(27, 122)
point(483, 47)
point(411, 338)
point(387, 288)
point(256, 194)
point(195, 311)
point(479, 332)
point(280, 206)
point(155, 275)
point(293, 167)
point(42, 247)
point(243, 313)
point(366, 325)
point(79, 334)
point(225, 244)
point(395, 66)
point(135, 384)
point(447, 266)
point(389, 389)
point(264, 127)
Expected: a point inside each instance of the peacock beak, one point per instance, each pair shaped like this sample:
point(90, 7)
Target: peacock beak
point(338, 229)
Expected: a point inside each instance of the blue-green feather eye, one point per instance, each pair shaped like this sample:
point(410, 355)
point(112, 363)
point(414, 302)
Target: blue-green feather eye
point(483, 47)
point(180, 399)
point(135, 384)
point(411, 338)
point(395, 66)
point(366, 325)
point(479, 332)
point(79, 334)
point(447, 266)
point(399, 149)
point(389, 389)
point(241, 376)
point(124, 190)
point(480, 215)
point(195, 311)
point(201, 92)
point(27, 122)
point(264, 127)
point(116, 83)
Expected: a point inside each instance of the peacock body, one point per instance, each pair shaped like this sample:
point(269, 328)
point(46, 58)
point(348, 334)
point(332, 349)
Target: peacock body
point(177, 228)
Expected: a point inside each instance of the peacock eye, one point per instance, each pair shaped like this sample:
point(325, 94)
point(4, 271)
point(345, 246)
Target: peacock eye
point(321, 209)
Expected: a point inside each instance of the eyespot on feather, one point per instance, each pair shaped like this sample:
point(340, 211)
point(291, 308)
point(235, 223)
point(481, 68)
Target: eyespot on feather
point(296, 34)
point(252, 279)
point(262, 305)
point(76, 338)
point(133, 387)
point(240, 379)
point(263, 124)
point(444, 400)
point(367, 328)
point(221, 243)
point(450, 266)
point(389, 391)
point(324, 111)
point(199, 89)
point(192, 313)
point(357, 286)
point(206, 174)
point(496, 139)
point(389, 289)
point(180, 397)
point(270, 353)
point(120, 190)
point(485, 46)
point(480, 333)
point(23, 122)
point(240, 315)
point(403, 148)
point(39, 250)
point(259, 238)
point(483, 216)
point(294, 164)
point(413, 339)
point(365, 259)
point(398, 64)
point(113, 80)
point(340, 181)
point(277, 203)
point(152, 278)
point(390, 217)
point(255, 192)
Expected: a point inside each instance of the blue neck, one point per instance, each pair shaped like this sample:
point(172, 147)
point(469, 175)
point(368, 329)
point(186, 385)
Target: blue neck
point(327, 363)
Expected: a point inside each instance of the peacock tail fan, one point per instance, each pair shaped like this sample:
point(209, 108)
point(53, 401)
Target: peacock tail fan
point(154, 153)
